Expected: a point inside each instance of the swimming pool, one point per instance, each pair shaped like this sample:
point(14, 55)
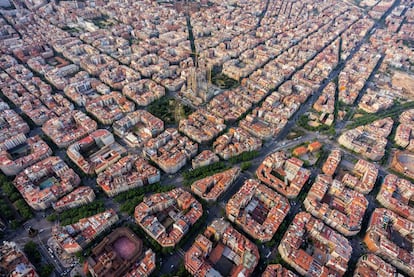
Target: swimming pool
point(47, 183)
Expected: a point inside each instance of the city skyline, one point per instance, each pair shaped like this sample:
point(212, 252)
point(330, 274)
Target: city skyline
point(206, 138)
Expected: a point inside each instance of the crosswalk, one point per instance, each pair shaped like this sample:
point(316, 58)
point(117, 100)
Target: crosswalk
point(181, 252)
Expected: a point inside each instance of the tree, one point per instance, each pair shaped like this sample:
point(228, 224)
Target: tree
point(32, 253)
point(245, 165)
point(182, 272)
point(52, 217)
point(14, 196)
point(23, 208)
point(46, 270)
point(8, 188)
point(14, 224)
point(73, 215)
